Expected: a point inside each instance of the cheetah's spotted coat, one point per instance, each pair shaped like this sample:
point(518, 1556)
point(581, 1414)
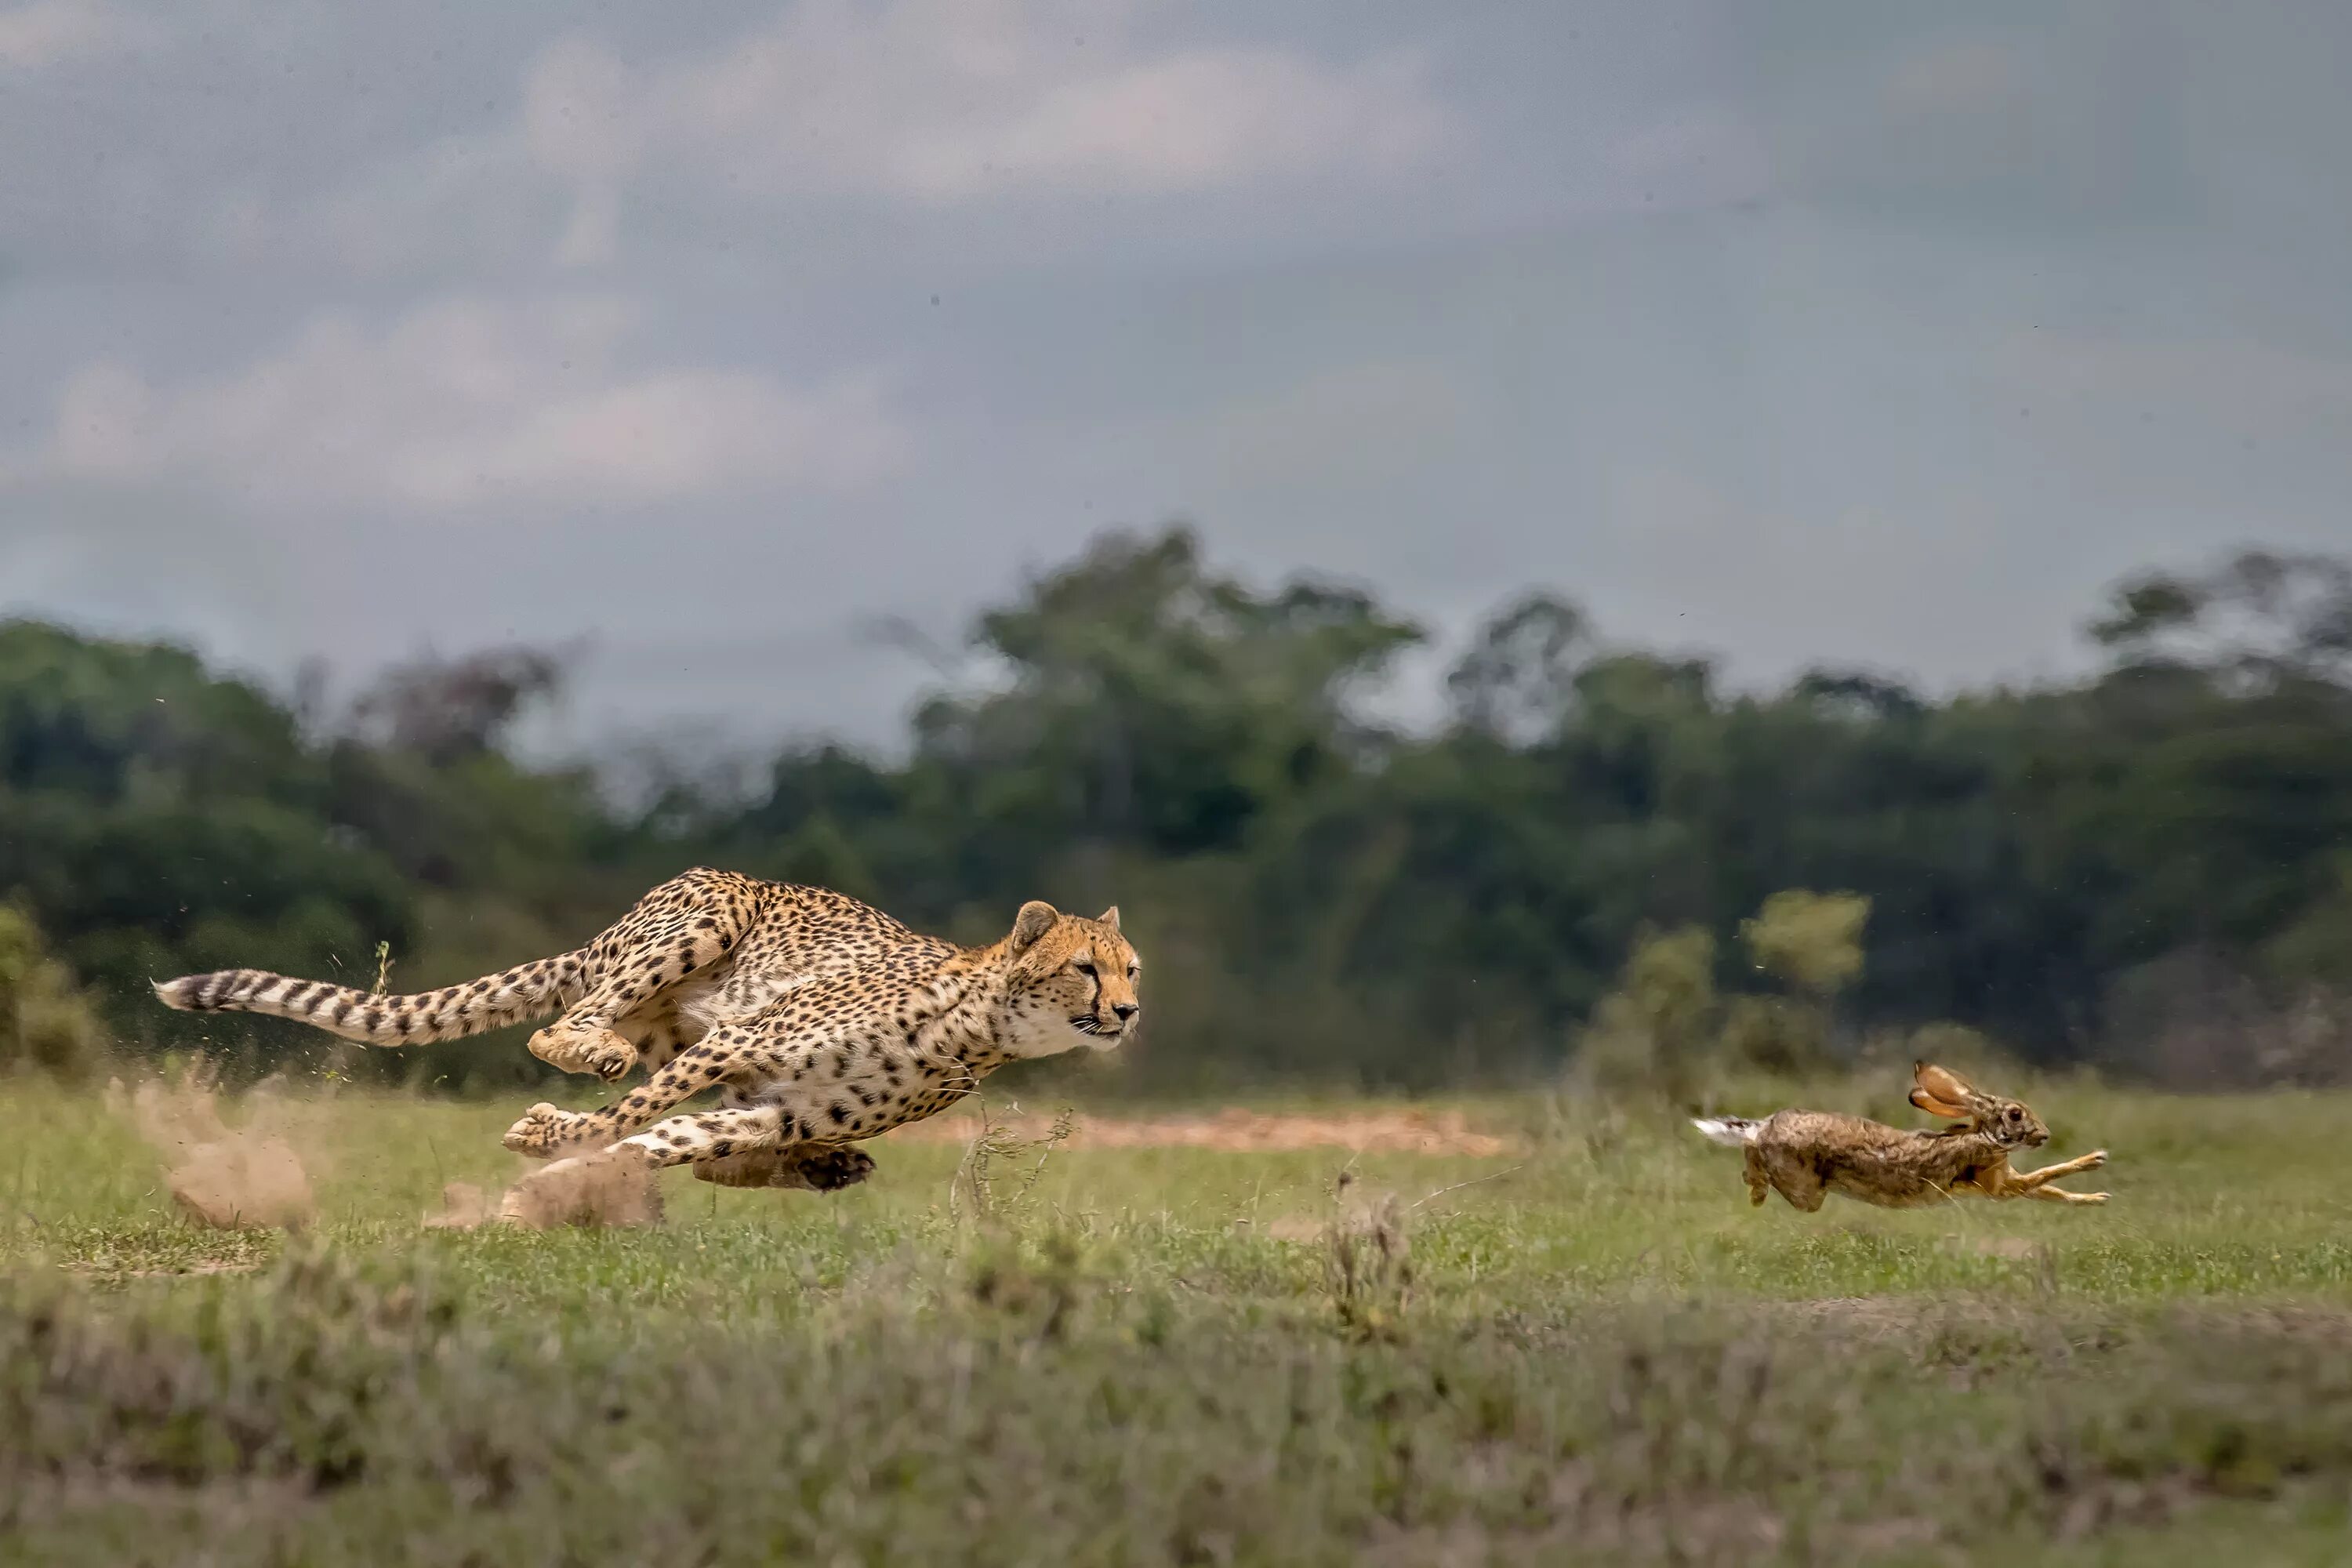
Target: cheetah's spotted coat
point(821, 1020)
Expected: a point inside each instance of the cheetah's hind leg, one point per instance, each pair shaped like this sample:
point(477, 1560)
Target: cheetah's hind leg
point(819, 1168)
point(572, 1045)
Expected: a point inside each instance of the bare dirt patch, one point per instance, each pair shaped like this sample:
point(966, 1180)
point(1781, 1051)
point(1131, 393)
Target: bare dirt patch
point(1239, 1131)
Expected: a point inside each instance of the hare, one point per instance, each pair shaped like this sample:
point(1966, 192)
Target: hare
point(1805, 1155)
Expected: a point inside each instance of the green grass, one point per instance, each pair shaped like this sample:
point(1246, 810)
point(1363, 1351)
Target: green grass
point(1604, 1355)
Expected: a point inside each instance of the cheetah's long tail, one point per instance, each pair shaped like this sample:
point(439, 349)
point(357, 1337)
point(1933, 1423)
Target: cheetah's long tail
point(527, 991)
point(1731, 1132)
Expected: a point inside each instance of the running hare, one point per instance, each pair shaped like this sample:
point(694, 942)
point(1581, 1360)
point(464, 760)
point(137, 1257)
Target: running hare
point(1805, 1155)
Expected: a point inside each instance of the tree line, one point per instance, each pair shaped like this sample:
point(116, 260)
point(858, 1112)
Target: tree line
point(2149, 867)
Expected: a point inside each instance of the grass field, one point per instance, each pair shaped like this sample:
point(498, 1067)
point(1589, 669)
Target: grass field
point(1143, 1355)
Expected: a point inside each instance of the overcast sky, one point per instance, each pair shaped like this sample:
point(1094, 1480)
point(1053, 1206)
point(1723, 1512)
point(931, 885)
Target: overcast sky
point(1873, 333)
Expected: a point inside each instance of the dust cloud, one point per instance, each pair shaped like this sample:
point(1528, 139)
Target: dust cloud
point(223, 1177)
point(608, 1188)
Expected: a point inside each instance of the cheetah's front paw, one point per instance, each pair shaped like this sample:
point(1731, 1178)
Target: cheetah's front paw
point(543, 1130)
point(2095, 1158)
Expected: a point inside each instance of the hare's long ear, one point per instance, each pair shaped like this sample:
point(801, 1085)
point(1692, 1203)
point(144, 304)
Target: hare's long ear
point(1940, 1092)
point(1934, 1107)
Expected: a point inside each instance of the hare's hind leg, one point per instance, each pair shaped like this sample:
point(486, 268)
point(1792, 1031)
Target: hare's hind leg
point(1759, 1184)
point(1807, 1195)
point(1796, 1180)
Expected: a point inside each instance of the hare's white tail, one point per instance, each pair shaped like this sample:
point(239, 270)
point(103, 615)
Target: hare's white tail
point(1731, 1132)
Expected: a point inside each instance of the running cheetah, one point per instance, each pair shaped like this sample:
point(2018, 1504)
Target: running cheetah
point(821, 1019)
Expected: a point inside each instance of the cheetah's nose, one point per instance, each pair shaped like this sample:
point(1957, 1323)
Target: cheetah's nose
point(1125, 1010)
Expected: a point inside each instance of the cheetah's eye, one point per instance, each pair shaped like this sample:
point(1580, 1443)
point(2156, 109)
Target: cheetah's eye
point(1086, 967)
point(1133, 970)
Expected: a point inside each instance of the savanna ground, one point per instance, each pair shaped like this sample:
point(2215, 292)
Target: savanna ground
point(1584, 1346)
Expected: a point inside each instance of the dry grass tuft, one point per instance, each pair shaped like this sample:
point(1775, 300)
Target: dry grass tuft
point(974, 1192)
point(1367, 1270)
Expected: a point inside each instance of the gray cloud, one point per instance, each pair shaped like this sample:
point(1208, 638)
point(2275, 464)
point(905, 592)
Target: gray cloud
point(461, 406)
point(50, 33)
point(1804, 331)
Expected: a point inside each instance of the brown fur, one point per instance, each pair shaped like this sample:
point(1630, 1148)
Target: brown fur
point(1805, 1155)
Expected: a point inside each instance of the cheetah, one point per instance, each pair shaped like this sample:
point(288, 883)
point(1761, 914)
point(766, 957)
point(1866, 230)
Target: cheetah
point(846, 1058)
point(743, 966)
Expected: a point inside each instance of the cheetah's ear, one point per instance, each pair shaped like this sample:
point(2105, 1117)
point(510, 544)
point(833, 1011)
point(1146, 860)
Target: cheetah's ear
point(1035, 919)
point(1109, 917)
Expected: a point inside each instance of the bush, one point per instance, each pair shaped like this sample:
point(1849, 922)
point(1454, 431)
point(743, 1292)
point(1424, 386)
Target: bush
point(1653, 1033)
point(46, 1023)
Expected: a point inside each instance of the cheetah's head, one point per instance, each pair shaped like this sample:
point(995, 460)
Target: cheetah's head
point(1072, 981)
